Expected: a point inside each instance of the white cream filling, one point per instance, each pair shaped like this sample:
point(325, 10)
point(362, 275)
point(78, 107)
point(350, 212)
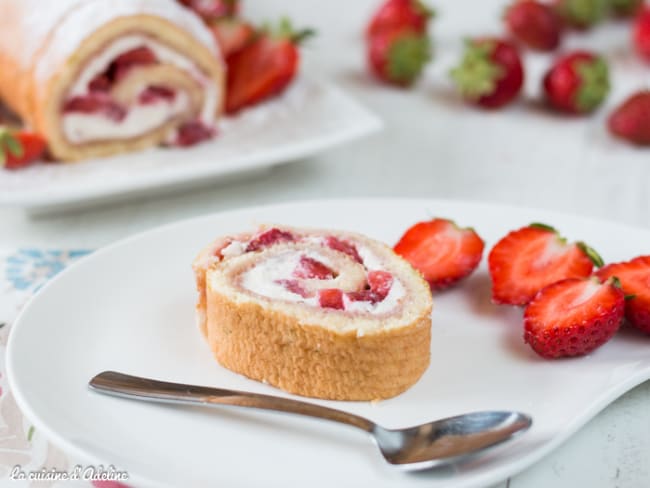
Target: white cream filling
point(100, 127)
point(81, 127)
point(265, 279)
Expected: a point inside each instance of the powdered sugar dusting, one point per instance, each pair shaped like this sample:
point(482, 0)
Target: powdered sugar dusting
point(75, 20)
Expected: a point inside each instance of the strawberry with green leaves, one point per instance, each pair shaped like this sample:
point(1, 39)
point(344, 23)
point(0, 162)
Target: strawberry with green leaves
point(398, 55)
point(490, 74)
point(577, 83)
point(20, 148)
point(528, 259)
point(443, 252)
point(393, 14)
point(631, 120)
point(573, 317)
point(535, 24)
point(265, 67)
point(582, 14)
point(634, 277)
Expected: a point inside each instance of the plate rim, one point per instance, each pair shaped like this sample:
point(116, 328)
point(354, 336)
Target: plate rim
point(366, 123)
point(494, 475)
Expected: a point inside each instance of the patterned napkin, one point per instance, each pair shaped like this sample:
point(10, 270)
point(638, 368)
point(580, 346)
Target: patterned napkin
point(22, 273)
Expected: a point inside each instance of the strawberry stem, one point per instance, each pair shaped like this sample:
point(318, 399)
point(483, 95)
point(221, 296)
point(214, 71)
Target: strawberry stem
point(285, 30)
point(477, 75)
point(591, 254)
point(9, 144)
point(539, 225)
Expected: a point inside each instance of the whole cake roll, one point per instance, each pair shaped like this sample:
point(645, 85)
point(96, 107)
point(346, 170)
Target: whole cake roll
point(324, 314)
point(102, 77)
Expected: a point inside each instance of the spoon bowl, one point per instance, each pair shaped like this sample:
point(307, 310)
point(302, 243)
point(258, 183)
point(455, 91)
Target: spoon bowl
point(425, 446)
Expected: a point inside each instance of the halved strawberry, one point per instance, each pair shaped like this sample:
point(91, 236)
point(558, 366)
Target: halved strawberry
point(634, 276)
point(20, 148)
point(573, 317)
point(232, 35)
point(331, 298)
point(310, 268)
point(528, 259)
point(443, 252)
point(265, 67)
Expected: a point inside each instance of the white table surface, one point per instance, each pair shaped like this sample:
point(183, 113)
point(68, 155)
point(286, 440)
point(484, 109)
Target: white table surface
point(433, 146)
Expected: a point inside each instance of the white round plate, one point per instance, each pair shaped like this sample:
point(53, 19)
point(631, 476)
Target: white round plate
point(130, 307)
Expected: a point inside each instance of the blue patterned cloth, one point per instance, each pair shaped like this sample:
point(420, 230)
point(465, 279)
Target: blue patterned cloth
point(22, 273)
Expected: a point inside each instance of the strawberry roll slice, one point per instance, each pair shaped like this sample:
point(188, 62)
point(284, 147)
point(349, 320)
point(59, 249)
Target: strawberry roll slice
point(102, 77)
point(323, 314)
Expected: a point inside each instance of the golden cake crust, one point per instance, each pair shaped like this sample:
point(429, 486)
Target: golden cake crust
point(312, 360)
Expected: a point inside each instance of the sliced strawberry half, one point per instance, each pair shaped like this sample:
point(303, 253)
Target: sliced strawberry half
point(269, 238)
point(265, 67)
point(310, 268)
point(528, 259)
point(443, 252)
point(634, 276)
point(573, 317)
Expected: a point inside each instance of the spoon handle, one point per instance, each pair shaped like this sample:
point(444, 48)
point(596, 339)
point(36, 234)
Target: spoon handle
point(146, 389)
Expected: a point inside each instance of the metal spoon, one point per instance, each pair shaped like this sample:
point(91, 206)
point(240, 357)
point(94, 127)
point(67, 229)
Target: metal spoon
point(424, 446)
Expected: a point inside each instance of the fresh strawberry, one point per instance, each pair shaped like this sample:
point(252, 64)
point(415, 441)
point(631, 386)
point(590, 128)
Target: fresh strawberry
point(310, 268)
point(573, 317)
point(396, 14)
point(192, 133)
point(268, 238)
point(582, 14)
point(343, 246)
point(631, 120)
point(443, 252)
point(398, 56)
point(625, 8)
point(535, 24)
point(232, 35)
point(577, 83)
point(96, 103)
point(331, 298)
point(264, 68)
point(634, 276)
point(20, 148)
point(490, 74)
point(641, 33)
point(528, 259)
point(210, 10)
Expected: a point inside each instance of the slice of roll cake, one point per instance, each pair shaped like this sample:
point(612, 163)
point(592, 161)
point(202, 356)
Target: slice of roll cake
point(323, 314)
